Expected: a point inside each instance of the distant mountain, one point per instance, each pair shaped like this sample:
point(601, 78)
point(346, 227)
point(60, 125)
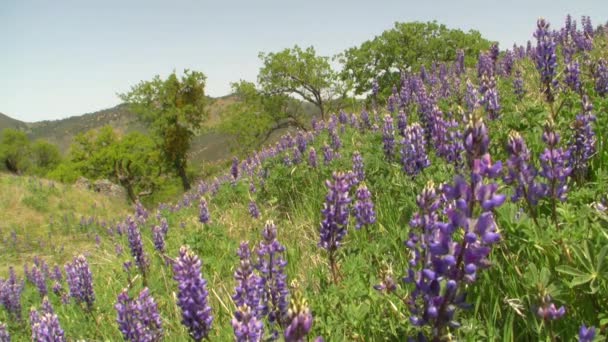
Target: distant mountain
point(8, 122)
point(209, 146)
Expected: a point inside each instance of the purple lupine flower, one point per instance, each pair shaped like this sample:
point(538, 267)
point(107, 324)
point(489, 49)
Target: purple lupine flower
point(253, 210)
point(336, 143)
point(548, 311)
point(118, 249)
point(164, 226)
point(354, 123)
point(203, 216)
point(45, 324)
point(582, 146)
point(554, 167)
point(300, 320)
point(57, 288)
point(358, 168)
point(413, 153)
point(38, 278)
point(459, 64)
point(271, 265)
point(192, 294)
point(335, 217)
point(56, 275)
point(138, 318)
point(312, 157)
point(137, 246)
point(365, 121)
point(4, 335)
point(301, 142)
point(545, 58)
point(388, 137)
point(343, 117)
point(494, 53)
point(159, 239)
point(10, 294)
point(375, 87)
point(363, 209)
point(601, 77)
point(247, 327)
point(328, 154)
point(489, 96)
point(401, 122)
point(572, 76)
point(141, 214)
point(471, 97)
point(80, 281)
point(249, 285)
point(584, 334)
point(297, 156)
point(485, 65)
point(521, 172)
point(335, 212)
point(286, 159)
point(587, 26)
point(448, 252)
point(234, 170)
point(387, 284)
point(507, 63)
point(390, 103)
point(518, 85)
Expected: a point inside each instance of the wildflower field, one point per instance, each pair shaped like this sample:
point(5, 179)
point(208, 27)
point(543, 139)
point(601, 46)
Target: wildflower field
point(471, 206)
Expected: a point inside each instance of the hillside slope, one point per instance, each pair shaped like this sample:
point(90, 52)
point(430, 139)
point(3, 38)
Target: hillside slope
point(40, 217)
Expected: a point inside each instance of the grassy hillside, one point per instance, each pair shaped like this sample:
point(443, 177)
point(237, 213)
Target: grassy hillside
point(482, 231)
point(50, 220)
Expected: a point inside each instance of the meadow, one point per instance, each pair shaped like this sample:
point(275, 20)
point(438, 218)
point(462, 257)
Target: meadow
point(471, 205)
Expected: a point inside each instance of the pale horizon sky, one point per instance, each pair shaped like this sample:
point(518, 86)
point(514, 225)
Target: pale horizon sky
point(64, 58)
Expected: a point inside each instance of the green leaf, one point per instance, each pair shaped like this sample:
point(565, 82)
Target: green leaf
point(576, 281)
point(569, 270)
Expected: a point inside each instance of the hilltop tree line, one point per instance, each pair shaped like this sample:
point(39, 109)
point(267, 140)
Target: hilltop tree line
point(289, 83)
point(296, 76)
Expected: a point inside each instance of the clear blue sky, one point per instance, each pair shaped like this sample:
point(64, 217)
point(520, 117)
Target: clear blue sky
point(63, 58)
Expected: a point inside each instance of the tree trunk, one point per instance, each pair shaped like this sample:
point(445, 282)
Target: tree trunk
point(130, 192)
point(181, 172)
point(322, 110)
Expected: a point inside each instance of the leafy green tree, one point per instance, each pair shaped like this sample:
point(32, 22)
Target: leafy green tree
point(175, 109)
point(15, 150)
point(255, 116)
point(45, 156)
point(300, 72)
point(136, 165)
point(406, 46)
point(87, 152)
point(132, 161)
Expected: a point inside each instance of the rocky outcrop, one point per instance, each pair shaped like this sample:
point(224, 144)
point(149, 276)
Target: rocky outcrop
point(108, 188)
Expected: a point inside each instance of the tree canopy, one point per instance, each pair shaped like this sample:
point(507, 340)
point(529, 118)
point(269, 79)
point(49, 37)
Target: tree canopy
point(301, 72)
point(406, 46)
point(174, 108)
point(15, 150)
point(131, 161)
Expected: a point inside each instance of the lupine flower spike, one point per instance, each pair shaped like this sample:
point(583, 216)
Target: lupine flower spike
point(192, 294)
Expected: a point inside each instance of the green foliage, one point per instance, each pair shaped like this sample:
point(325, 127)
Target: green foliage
point(256, 115)
point(175, 109)
point(406, 47)
point(300, 72)
point(45, 157)
point(15, 151)
point(131, 161)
